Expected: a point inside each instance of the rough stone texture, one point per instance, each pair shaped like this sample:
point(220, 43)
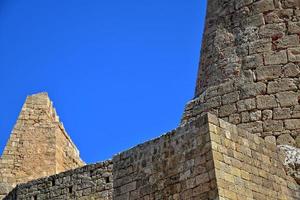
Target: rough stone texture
point(178, 165)
point(250, 65)
point(246, 166)
point(207, 158)
point(85, 183)
point(291, 161)
point(38, 146)
point(249, 75)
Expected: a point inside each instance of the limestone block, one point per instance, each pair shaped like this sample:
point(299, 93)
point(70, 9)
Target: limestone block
point(275, 58)
point(266, 101)
point(230, 98)
point(267, 114)
point(252, 90)
point(268, 72)
point(259, 46)
point(291, 70)
point(284, 84)
point(292, 124)
point(294, 27)
point(252, 61)
point(287, 41)
point(272, 30)
point(282, 113)
point(226, 110)
point(294, 54)
point(289, 98)
point(273, 125)
point(242, 3)
point(263, 6)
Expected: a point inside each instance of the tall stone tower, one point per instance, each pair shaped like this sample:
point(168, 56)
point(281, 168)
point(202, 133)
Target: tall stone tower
point(249, 71)
point(38, 146)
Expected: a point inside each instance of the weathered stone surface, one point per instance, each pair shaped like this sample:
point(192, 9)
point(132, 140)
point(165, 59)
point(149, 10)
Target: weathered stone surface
point(249, 75)
point(275, 58)
point(291, 70)
point(285, 139)
point(294, 54)
point(292, 161)
point(39, 145)
point(262, 39)
point(292, 124)
point(266, 101)
point(268, 72)
point(93, 181)
point(288, 99)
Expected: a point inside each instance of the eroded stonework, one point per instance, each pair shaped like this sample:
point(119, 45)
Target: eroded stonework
point(249, 73)
point(38, 146)
point(248, 148)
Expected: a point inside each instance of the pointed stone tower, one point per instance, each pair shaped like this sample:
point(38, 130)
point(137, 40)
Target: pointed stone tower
point(38, 146)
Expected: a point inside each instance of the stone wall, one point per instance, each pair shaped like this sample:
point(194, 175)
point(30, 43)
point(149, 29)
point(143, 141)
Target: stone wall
point(249, 73)
point(205, 159)
point(246, 166)
point(85, 183)
point(177, 165)
point(38, 145)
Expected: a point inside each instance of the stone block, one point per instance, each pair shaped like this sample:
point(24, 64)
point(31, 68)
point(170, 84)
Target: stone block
point(227, 110)
point(246, 105)
point(285, 139)
point(289, 98)
point(273, 125)
point(249, 90)
point(281, 85)
point(263, 6)
point(282, 113)
point(266, 101)
point(294, 54)
point(292, 124)
point(287, 41)
point(275, 58)
point(268, 72)
point(252, 61)
point(272, 30)
point(242, 3)
point(291, 70)
point(259, 46)
point(294, 27)
point(230, 98)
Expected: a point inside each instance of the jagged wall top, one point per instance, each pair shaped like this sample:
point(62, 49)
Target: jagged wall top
point(38, 146)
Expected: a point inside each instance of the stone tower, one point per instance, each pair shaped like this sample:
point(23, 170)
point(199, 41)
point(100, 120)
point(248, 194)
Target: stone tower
point(249, 71)
point(38, 146)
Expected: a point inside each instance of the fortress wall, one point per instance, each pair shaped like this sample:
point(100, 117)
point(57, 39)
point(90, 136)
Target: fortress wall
point(205, 159)
point(38, 145)
point(67, 155)
point(177, 165)
point(249, 73)
point(85, 183)
point(247, 167)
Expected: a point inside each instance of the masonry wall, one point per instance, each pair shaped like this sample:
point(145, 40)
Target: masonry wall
point(246, 166)
point(249, 72)
point(38, 145)
point(176, 166)
point(205, 159)
point(85, 183)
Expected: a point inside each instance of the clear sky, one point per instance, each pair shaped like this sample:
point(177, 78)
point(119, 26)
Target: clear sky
point(119, 72)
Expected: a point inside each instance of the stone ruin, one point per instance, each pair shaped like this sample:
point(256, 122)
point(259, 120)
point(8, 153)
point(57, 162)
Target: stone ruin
point(239, 137)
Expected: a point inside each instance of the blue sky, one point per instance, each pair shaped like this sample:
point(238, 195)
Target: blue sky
point(119, 72)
